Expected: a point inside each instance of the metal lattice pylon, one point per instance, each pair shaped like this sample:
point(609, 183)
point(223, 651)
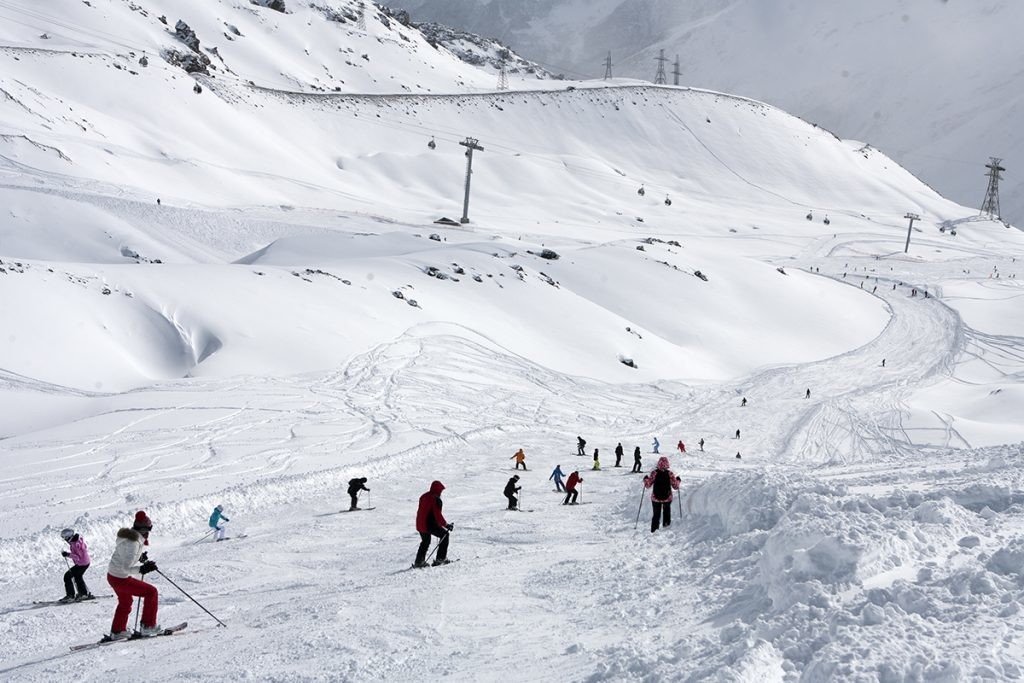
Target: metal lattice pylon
point(660, 78)
point(990, 207)
point(503, 77)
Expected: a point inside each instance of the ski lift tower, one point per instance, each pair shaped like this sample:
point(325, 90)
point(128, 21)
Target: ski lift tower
point(990, 207)
point(470, 144)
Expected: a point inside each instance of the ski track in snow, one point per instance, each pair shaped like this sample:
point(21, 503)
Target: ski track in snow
point(757, 579)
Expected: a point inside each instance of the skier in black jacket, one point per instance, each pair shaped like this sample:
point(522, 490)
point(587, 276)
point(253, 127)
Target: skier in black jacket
point(636, 459)
point(618, 455)
point(510, 492)
point(354, 487)
point(581, 443)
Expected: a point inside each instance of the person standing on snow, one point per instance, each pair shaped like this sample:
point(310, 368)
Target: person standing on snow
point(430, 522)
point(520, 458)
point(743, 403)
point(636, 460)
point(737, 433)
point(597, 463)
point(354, 487)
point(124, 567)
point(701, 444)
point(216, 517)
point(808, 394)
point(655, 445)
point(511, 489)
point(557, 475)
point(681, 446)
point(570, 488)
point(580, 445)
point(74, 579)
point(618, 455)
point(661, 481)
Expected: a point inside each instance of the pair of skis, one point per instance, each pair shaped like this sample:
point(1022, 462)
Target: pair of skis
point(107, 640)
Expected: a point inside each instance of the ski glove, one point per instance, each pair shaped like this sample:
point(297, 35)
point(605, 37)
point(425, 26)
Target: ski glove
point(144, 557)
point(65, 553)
point(449, 526)
point(147, 567)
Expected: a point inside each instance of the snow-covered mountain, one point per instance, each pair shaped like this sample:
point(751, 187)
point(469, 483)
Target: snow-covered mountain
point(936, 85)
point(229, 287)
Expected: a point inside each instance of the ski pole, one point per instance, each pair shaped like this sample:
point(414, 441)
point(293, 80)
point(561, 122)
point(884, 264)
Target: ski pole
point(441, 540)
point(191, 598)
point(205, 536)
point(138, 605)
point(639, 507)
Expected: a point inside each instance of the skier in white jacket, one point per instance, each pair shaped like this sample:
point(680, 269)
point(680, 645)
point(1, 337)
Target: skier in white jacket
point(129, 551)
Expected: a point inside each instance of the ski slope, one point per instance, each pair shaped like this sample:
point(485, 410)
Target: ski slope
point(289, 317)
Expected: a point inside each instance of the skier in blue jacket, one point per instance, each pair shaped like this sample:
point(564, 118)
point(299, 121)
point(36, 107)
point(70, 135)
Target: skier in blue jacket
point(557, 475)
point(215, 522)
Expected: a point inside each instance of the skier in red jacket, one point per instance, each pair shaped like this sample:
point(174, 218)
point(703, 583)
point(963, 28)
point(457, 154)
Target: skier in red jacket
point(570, 488)
point(430, 522)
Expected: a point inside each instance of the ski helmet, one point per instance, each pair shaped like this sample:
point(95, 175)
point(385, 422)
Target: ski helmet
point(220, 507)
point(66, 534)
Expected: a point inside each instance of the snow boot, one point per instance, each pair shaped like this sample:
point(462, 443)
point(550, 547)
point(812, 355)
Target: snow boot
point(420, 565)
point(119, 635)
point(84, 596)
point(438, 563)
point(66, 599)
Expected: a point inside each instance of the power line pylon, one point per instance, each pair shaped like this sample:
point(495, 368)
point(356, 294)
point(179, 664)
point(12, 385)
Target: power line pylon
point(361, 15)
point(659, 78)
point(503, 77)
point(608, 67)
point(990, 207)
point(676, 73)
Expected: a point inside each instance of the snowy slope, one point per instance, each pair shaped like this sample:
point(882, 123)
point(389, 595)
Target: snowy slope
point(933, 84)
point(289, 317)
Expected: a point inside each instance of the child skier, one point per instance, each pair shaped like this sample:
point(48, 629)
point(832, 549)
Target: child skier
point(430, 522)
point(580, 445)
point(216, 517)
point(128, 552)
point(520, 458)
point(655, 445)
point(354, 487)
point(618, 455)
point(636, 460)
point(510, 492)
point(74, 579)
point(661, 481)
point(557, 475)
point(570, 488)
point(681, 446)
point(597, 462)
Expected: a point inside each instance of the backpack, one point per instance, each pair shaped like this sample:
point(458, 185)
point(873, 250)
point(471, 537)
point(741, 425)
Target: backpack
point(662, 485)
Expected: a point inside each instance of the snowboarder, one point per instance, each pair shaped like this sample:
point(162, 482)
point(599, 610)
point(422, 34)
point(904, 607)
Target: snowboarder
point(520, 458)
point(430, 522)
point(681, 446)
point(655, 445)
point(557, 475)
point(597, 462)
point(510, 492)
point(354, 487)
point(618, 455)
point(743, 403)
point(808, 394)
point(701, 444)
point(661, 481)
point(124, 566)
point(636, 460)
point(581, 443)
point(216, 517)
point(74, 579)
point(737, 433)
point(570, 488)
